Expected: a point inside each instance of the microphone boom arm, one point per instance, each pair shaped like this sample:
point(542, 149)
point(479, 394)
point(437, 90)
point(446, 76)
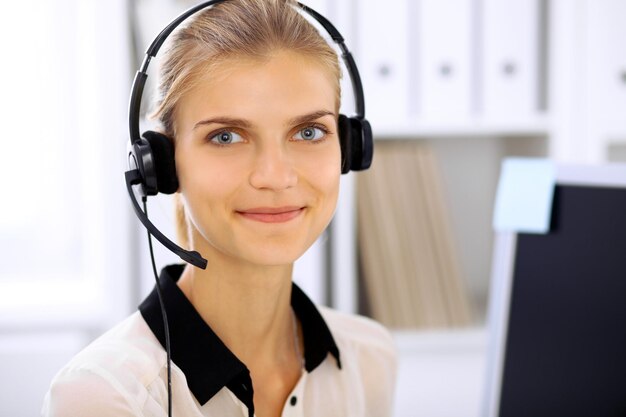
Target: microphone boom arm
point(133, 178)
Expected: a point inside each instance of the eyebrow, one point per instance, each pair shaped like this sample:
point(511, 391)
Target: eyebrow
point(309, 117)
point(246, 124)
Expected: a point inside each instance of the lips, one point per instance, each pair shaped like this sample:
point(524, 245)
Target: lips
point(272, 214)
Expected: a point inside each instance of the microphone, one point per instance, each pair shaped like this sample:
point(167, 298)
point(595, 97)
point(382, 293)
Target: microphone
point(133, 177)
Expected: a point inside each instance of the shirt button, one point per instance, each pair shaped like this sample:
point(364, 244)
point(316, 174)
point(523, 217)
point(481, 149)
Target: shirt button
point(293, 401)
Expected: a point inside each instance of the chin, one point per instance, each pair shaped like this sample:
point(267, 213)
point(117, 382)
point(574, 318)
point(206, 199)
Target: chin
point(273, 255)
point(269, 246)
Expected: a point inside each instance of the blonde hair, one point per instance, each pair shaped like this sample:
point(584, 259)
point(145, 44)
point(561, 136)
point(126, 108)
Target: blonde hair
point(233, 29)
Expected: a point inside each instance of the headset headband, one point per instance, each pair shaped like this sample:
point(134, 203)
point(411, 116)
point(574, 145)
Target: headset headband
point(142, 74)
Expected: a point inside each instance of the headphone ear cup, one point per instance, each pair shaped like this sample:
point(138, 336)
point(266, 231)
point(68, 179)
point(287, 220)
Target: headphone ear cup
point(345, 141)
point(164, 163)
point(362, 144)
point(357, 144)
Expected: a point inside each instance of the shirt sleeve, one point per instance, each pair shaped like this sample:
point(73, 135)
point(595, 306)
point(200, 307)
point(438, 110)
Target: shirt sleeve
point(88, 392)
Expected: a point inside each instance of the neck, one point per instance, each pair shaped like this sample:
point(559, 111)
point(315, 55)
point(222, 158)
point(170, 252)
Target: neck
point(247, 306)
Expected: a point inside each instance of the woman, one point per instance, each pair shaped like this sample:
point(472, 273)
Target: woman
point(250, 97)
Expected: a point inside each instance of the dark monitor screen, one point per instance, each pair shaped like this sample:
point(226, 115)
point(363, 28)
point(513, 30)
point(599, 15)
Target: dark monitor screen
point(565, 352)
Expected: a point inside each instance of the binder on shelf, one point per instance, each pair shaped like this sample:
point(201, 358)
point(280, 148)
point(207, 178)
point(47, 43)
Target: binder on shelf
point(604, 79)
point(382, 53)
point(408, 262)
point(510, 61)
point(445, 40)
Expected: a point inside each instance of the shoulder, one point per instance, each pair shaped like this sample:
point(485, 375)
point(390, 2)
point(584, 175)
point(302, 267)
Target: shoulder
point(369, 360)
point(109, 376)
point(363, 343)
point(129, 348)
point(358, 332)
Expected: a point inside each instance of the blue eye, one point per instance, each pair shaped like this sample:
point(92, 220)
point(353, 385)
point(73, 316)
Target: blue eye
point(311, 133)
point(226, 137)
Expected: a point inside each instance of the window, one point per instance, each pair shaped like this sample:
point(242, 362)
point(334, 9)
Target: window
point(64, 216)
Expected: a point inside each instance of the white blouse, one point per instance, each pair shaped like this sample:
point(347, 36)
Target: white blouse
point(350, 366)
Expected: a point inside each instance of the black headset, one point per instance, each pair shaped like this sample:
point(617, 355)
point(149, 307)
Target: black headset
point(151, 155)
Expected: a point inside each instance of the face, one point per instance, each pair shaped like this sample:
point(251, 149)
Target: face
point(258, 158)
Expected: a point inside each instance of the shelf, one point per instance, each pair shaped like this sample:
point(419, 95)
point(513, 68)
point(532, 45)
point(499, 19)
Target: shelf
point(467, 339)
point(441, 373)
point(538, 126)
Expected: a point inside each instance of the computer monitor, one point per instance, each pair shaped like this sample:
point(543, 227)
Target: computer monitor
point(557, 317)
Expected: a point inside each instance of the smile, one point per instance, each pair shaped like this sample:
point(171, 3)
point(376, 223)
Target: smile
point(272, 214)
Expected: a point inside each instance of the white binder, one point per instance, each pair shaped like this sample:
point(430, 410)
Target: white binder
point(382, 58)
point(606, 69)
point(445, 37)
point(510, 64)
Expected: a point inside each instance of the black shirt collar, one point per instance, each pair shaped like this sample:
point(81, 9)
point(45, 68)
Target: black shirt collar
point(205, 360)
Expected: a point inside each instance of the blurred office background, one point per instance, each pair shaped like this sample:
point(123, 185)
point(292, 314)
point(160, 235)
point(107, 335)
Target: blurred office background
point(452, 87)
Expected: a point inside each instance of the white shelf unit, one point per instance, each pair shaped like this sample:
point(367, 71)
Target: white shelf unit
point(537, 78)
point(479, 80)
point(465, 76)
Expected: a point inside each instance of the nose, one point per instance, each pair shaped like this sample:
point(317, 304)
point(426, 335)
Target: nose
point(273, 169)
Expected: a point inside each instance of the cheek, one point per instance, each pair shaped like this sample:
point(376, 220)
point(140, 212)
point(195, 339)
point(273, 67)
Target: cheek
point(206, 183)
point(323, 173)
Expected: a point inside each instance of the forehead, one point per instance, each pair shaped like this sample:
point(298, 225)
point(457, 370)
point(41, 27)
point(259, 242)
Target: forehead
point(285, 84)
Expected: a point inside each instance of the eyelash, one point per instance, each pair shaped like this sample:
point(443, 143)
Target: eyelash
point(315, 126)
point(210, 136)
point(321, 127)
